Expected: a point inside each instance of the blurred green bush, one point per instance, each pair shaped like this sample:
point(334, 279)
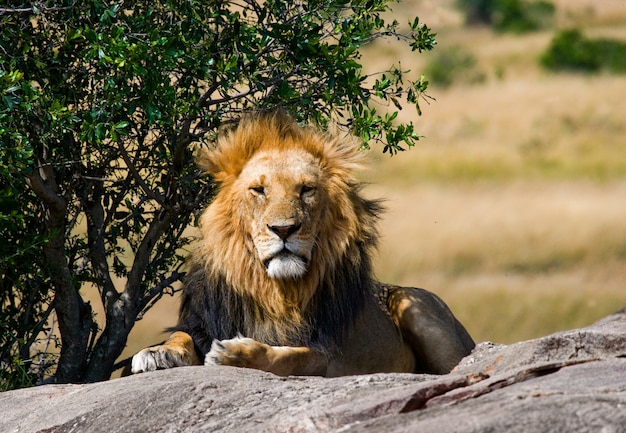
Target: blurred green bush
point(571, 50)
point(515, 16)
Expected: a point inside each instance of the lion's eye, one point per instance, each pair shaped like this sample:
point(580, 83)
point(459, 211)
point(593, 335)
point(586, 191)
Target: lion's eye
point(307, 190)
point(258, 190)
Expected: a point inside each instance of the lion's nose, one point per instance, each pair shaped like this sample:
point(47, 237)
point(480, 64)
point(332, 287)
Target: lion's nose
point(284, 231)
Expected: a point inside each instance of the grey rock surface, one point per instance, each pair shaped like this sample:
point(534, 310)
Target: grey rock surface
point(573, 381)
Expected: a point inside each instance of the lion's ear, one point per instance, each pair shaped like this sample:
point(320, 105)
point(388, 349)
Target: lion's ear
point(208, 161)
point(217, 163)
point(225, 158)
point(342, 156)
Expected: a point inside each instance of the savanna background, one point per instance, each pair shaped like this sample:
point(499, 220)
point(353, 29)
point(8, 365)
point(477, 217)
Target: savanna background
point(512, 207)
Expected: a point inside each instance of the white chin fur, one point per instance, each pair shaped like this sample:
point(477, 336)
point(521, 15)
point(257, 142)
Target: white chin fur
point(282, 267)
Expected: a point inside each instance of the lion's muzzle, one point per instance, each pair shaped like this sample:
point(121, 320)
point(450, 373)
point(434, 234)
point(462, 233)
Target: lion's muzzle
point(286, 265)
point(284, 231)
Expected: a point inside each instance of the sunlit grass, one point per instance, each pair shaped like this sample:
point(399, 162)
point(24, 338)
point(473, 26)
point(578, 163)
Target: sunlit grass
point(516, 316)
point(447, 166)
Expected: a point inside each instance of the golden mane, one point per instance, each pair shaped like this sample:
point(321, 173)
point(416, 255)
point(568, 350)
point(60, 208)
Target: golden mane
point(225, 266)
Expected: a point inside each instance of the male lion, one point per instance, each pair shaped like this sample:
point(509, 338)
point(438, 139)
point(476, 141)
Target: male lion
point(282, 278)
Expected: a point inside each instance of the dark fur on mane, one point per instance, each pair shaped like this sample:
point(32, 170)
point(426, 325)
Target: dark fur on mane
point(212, 310)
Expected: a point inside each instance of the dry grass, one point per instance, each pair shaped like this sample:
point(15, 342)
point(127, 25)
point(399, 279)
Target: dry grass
point(550, 127)
point(514, 260)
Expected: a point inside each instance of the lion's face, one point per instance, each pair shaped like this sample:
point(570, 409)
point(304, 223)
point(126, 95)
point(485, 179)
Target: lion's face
point(284, 199)
point(288, 215)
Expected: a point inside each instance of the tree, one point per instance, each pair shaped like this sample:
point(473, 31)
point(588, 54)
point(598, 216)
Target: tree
point(101, 106)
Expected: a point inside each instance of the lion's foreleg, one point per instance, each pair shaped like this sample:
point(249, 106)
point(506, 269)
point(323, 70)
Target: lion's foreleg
point(177, 351)
point(437, 338)
point(280, 360)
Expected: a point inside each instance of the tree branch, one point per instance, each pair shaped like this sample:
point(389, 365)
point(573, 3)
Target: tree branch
point(137, 176)
point(44, 186)
point(156, 293)
point(95, 236)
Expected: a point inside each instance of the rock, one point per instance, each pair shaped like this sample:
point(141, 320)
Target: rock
point(568, 381)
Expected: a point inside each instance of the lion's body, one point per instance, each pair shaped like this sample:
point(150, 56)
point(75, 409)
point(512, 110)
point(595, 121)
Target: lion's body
point(284, 263)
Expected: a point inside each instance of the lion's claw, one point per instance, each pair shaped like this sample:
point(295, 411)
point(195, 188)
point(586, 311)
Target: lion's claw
point(239, 351)
point(152, 358)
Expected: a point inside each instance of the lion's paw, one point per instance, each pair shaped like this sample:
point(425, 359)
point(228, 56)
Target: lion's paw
point(155, 358)
point(239, 351)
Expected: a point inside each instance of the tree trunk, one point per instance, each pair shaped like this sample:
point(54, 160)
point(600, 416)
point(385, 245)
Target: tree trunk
point(121, 309)
point(120, 319)
point(75, 321)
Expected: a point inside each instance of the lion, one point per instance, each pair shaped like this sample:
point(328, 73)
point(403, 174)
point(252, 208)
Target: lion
point(281, 279)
